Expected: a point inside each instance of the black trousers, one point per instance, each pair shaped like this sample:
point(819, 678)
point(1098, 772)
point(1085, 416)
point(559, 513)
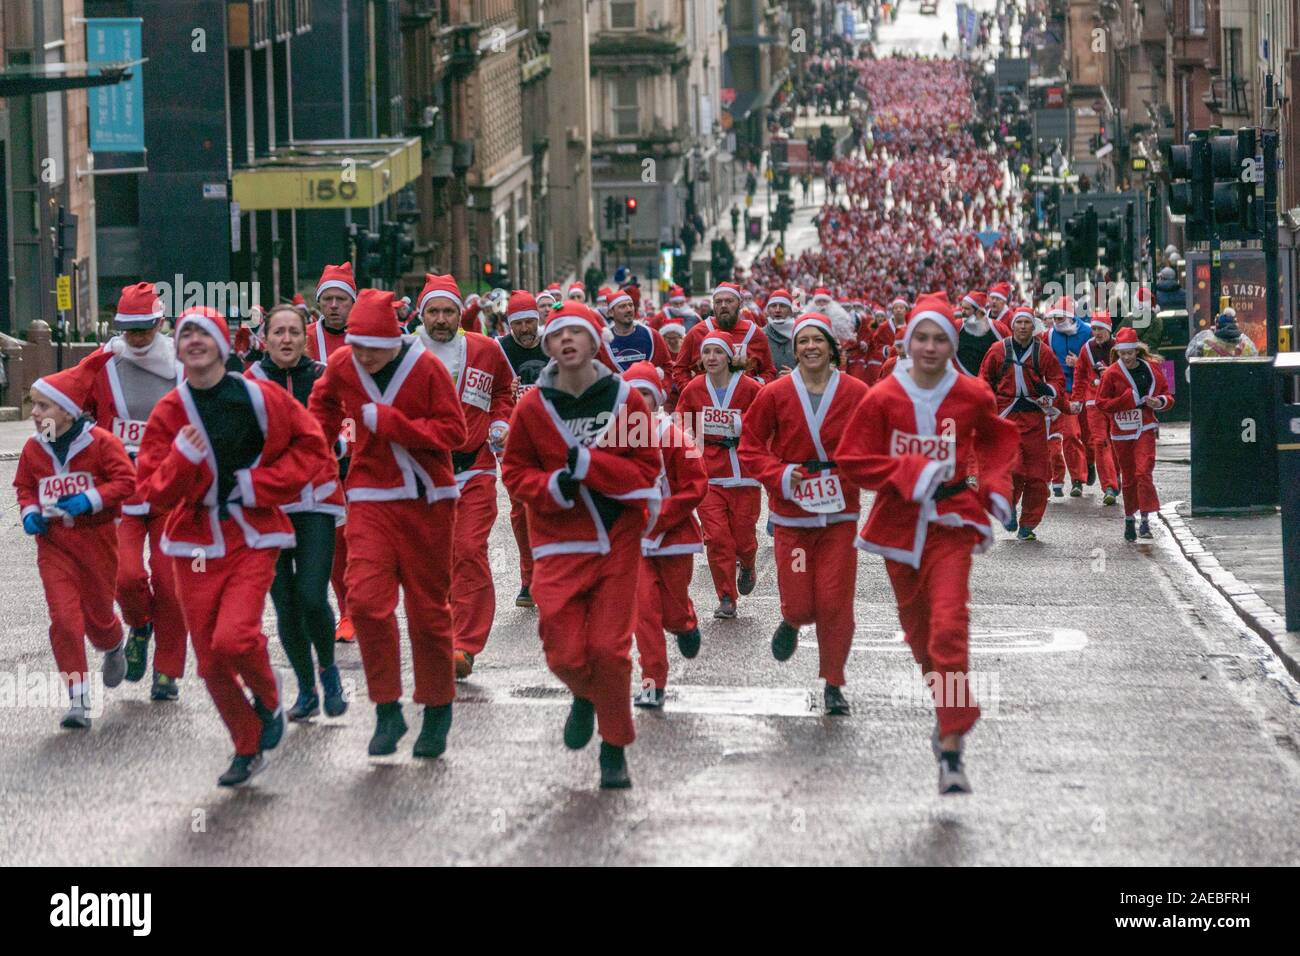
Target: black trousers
point(300, 593)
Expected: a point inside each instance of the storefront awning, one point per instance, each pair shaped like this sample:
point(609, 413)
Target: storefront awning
point(328, 174)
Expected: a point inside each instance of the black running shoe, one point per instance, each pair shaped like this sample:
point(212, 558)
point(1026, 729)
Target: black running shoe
point(332, 686)
point(784, 641)
point(524, 598)
point(1076, 489)
point(164, 688)
point(613, 768)
point(688, 642)
point(307, 705)
point(432, 742)
point(137, 652)
point(1092, 475)
point(272, 720)
point(580, 725)
point(389, 728)
point(1130, 530)
point(650, 697)
point(745, 579)
point(836, 703)
point(1144, 529)
point(241, 770)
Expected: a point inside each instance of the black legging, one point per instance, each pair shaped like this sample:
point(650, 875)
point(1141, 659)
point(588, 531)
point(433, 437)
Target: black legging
point(300, 593)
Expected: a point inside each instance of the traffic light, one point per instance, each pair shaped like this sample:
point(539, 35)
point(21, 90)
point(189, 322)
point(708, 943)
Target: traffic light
point(397, 250)
point(1111, 237)
point(1081, 240)
point(1187, 171)
point(784, 213)
point(629, 203)
point(370, 257)
point(721, 260)
point(496, 274)
point(615, 210)
point(1232, 162)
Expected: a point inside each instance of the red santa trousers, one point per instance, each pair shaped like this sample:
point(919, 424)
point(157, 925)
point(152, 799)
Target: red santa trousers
point(1069, 451)
point(222, 600)
point(149, 596)
point(519, 525)
point(729, 517)
point(338, 572)
point(933, 607)
point(408, 544)
point(663, 603)
point(473, 595)
point(1029, 477)
point(1137, 462)
point(816, 575)
point(77, 568)
point(1102, 453)
point(585, 620)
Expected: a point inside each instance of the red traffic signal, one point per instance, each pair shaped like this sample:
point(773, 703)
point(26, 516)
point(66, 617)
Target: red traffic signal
point(630, 202)
point(487, 268)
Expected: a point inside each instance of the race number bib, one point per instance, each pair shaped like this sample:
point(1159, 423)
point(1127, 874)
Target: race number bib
point(521, 389)
point(1129, 420)
point(821, 494)
point(940, 448)
point(53, 488)
point(130, 431)
point(720, 422)
point(478, 388)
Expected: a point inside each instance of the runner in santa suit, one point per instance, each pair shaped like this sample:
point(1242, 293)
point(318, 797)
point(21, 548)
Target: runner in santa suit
point(401, 492)
point(749, 338)
point(668, 546)
point(574, 458)
point(335, 294)
point(222, 453)
point(632, 341)
point(300, 591)
point(523, 350)
point(1027, 382)
point(123, 393)
point(976, 336)
point(790, 433)
point(486, 386)
point(999, 303)
point(1066, 337)
point(576, 291)
point(887, 332)
point(1132, 390)
point(713, 406)
point(779, 330)
point(906, 442)
point(71, 481)
point(1094, 358)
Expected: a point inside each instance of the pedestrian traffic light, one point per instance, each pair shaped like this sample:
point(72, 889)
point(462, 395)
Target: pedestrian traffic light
point(1187, 172)
point(629, 203)
point(1232, 161)
point(370, 257)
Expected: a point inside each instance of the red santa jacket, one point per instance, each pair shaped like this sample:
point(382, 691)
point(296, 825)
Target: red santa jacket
point(173, 474)
point(782, 431)
point(882, 341)
point(719, 427)
point(1119, 398)
point(97, 465)
point(485, 383)
point(620, 463)
point(107, 404)
point(322, 343)
point(752, 342)
point(904, 441)
point(1021, 379)
point(403, 434)
point(673, 527)
point(1088, 370)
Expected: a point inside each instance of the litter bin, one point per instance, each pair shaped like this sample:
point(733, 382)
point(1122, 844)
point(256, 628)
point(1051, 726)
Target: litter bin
point(1234, 455)
point(1174, 361)
point(1286, 376)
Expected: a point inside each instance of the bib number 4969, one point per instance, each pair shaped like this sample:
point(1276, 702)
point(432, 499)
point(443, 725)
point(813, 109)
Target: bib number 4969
point(53, 488)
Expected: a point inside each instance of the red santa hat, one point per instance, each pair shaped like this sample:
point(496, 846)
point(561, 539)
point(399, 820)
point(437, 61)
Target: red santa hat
point(1020, 310)
point(337, 277)
point(299, 303)
point(727, 288)
point(522, 306)
point(1061, 308)
point(821, 292)
point(372, 323)
point(720, 338)
point(575, 314)
point(647, 376)
point(602, 295)
point(1127, 338)
point(547, 295)
point(676, 295)
point(668, 328)
point(210, 321)
point(437, 287)
point(781, 297)
point(576, 291)
point(976, 300)
point(618, 297)
point(1101, 320)
point(70, 387)
point(813, 320)
point(138, 307)
point(899, 300)
point(935, 307)
point(1001, 290)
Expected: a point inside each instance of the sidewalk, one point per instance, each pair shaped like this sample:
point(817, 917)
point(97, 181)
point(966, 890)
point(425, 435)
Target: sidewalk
point(13, 435)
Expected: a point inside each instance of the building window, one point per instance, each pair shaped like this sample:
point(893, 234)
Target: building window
point(1196, 16)
point(622, 14)
point(626, 109)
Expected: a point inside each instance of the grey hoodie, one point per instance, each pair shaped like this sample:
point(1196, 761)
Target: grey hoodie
point(781, 342)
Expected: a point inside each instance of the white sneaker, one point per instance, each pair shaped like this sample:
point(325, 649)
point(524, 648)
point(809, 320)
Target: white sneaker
point(78, 715)
point(953, 781)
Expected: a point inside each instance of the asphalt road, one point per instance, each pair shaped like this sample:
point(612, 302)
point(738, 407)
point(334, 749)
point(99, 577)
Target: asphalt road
point(1130, 720)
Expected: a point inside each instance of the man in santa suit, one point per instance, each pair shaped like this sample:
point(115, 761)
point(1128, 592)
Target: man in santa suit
point(523, 348)
point(750, 340)
point(485, 383)
point(749, 309)
point(977, 335)
point(220, 454)
point(1066, 337)
point(335, 294)
point(631, 341)
point(577, 292)
point(999, 302)
point(577, 457)
point(669, 545)
point(1094, 358)
point(906, 442)
point(1028, 385)
point(405, 412)
point(123, 394)
point(677, 312)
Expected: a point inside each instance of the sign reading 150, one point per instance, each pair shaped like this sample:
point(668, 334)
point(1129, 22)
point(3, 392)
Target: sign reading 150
point(327, 190)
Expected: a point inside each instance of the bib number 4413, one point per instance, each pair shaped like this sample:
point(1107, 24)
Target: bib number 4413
point(820, 494)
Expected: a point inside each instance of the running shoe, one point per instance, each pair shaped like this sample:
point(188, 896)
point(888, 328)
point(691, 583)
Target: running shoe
point(524, 598)
point(389, 728)
point(78, 715)
point(1092, 475)
point(137, 652)
point(613, 768)
point(241, 770)
point(1144, 528)
point(464, 664)
point(115, 665)
point(688, 642)
point(745, 579)
point(726, 608)
point(1026, 534)
point(836, 703)
point(1130, 530)
point(272, 720)
point(1011, 524)
point(432, 742)
point(952, 775)
point(1058, 491)
point(580, 725)
point(307, 705)
point(345, 633)
point(1110, 497)
point(164, 687)
point(1076, 489)
point(652, 697)
point(332, 686)
point(784, 640)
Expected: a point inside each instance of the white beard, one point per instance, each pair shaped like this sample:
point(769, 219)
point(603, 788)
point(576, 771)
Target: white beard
point(158, 358)
point(977, 325)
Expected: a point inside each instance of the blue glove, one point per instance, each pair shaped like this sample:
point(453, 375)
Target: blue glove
point(74, 505)
point(33, 523)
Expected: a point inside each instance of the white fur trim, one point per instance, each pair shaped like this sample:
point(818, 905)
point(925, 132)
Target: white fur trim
point(186, 448)
point(439, 294)
point(207, 325)
point(938, 318)
point(370, 416)
point(523, 314)
point(651, 387)
point(929, 479)
point(96, 501)
point(668, 327)
point(553, 486)
point(584, 463)
point(57, 397)
point(336, 284)
point(244, 478)
point(373, 341)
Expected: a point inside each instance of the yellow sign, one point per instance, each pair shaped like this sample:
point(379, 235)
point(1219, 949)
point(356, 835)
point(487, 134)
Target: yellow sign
point(1284, 339)
point(328, 174)
point(63, 292)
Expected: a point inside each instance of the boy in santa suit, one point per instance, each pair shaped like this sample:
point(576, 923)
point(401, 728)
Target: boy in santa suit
point(789, 436)
point(1094, 359)
point(713, 405)
point(335, 295)
point(71, 481)
point(573, 456)
point(221, 453)
point(1065, 338)
point(485, 383)
point(906, 442)
point(1027, 384)
point(749, 338)
point(632, 341)
point(1132, 390)
point(140, 370)
point(401, 490)
point(668, 546)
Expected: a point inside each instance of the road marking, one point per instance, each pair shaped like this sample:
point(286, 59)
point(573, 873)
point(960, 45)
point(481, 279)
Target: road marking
point(1002, 640)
